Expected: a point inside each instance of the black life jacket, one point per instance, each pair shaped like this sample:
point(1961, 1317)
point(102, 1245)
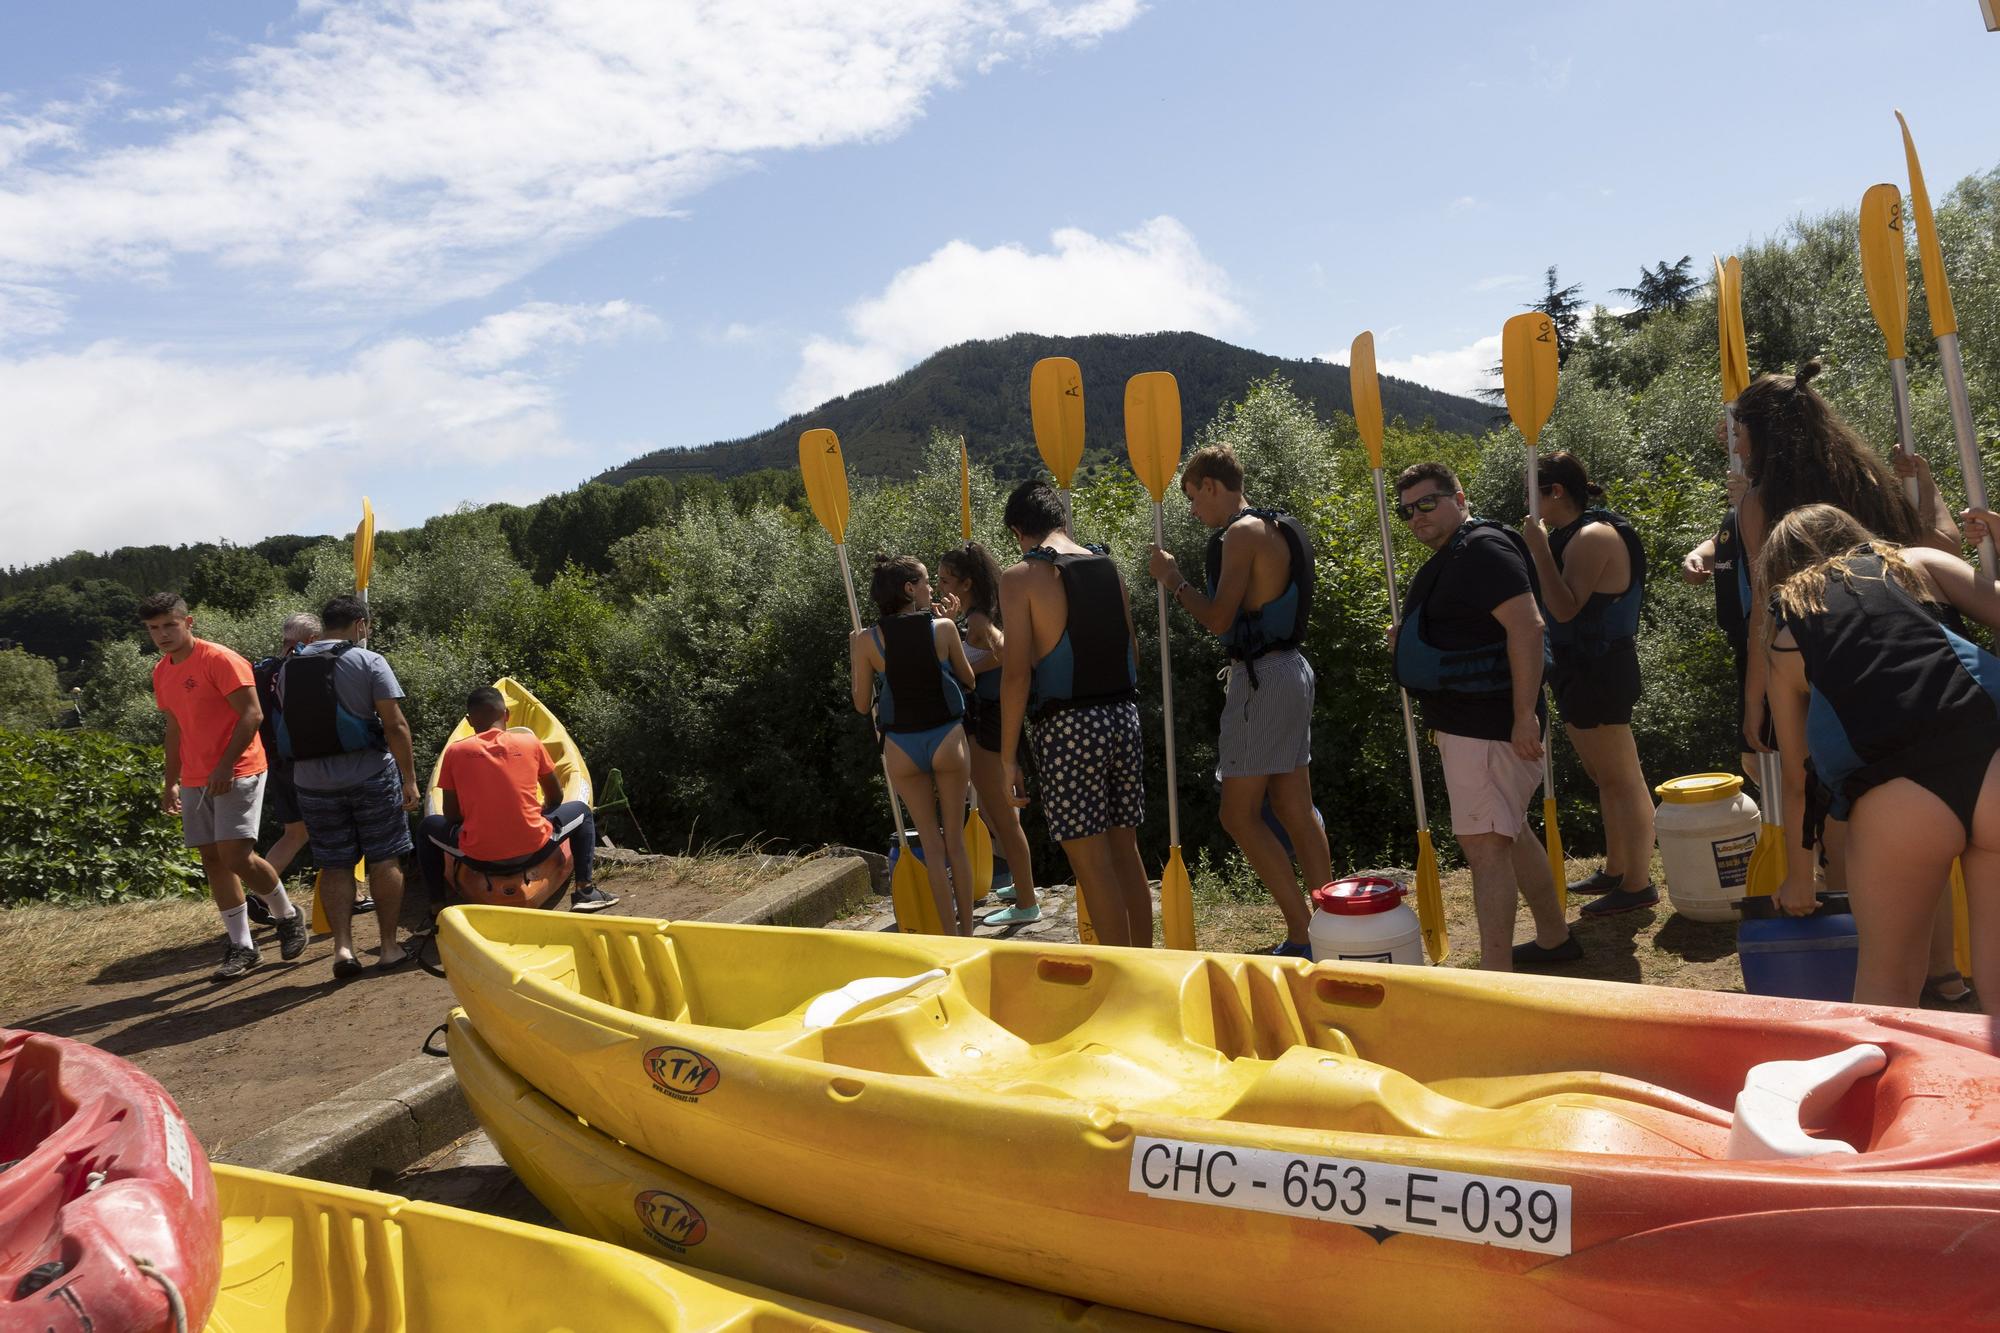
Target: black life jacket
point(314, 724)
point(1281, 622)
point(1731, 577)
point(1607, 620)
point(1480, 672)
point(1092, 662)
point(918, 691)
point(264, 673)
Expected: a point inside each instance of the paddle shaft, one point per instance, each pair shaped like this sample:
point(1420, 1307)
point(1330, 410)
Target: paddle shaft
point(1167, 689)
point(1549, 731)
point(1396, 618)
point(1899, 385)
point(1968, 446)
point(1067, 525)
point(854, 619)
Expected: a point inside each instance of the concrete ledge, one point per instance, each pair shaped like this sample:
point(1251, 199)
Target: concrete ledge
point(372, 1130)
point(812, 895)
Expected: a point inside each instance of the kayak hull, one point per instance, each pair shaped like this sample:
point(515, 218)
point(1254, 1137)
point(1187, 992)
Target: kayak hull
point(100, 1171)
point(299, 1254)
point(1172, 1131)
point(597, 1187)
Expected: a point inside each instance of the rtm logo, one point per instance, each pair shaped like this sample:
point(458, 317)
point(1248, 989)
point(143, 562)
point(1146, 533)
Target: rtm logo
point(670, 1219)
point(680, 1072)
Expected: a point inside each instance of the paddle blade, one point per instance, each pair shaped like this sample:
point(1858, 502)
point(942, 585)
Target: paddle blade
point(1937, 291)
point(910, 895)
point(1430, 900)
point(1153, 429)
point(1366, 390)
point(1055, 401)
point(1736, 356)
point(320, 924)
point(1176, 904)
point(1552, 840)
point(979, 851)
point(825, 473)
point(364, 546)
point(1528, 371)
point(964, 492)
point(1767, 863)
point(1086, 932)
point(1885, 270)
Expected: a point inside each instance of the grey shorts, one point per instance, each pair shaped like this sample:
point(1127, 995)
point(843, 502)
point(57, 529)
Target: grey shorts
point(234, 814)
point(1267, 730)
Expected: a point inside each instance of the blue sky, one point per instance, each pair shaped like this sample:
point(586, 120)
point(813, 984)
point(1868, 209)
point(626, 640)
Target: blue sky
point(258, 258)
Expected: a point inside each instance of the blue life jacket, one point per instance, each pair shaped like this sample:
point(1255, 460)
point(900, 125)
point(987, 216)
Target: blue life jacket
point(916, 691)
point(314, 723)
point(1480, 672)
point(1281, 622)
point(1092, 661)
point(1607, 619)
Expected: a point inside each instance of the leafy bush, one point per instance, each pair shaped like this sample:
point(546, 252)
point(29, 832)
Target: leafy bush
point(80, 821)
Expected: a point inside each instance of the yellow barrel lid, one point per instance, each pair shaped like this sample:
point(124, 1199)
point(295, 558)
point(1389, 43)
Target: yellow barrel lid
point(1699, 788)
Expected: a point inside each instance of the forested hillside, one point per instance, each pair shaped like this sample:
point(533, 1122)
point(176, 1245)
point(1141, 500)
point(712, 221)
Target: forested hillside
point(980, 390)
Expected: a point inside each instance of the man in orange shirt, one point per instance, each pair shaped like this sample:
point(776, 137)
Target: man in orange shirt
point(503, 808)
point(215, 773)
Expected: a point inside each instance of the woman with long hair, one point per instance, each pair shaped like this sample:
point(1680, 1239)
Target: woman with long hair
point(1592, 568)
point(910, 669)
point(1891, 721)
point(970, 579)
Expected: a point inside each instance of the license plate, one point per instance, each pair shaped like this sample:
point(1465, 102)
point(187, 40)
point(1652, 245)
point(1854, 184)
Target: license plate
point(1451, 1205)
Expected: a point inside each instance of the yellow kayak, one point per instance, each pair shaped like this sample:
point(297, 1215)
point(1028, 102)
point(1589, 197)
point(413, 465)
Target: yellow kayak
point(1259, 1142)
point(524, 713)
point(298, 1255)
point(598, 1187)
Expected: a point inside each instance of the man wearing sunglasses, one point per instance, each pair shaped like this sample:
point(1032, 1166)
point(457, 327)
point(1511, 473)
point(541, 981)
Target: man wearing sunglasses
point(1470, 648)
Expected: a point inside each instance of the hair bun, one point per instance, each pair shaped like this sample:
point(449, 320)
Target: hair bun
point(1808, 368)
point(1595, 491)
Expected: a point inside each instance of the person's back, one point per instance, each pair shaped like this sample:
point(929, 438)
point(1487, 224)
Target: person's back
point(497, 776)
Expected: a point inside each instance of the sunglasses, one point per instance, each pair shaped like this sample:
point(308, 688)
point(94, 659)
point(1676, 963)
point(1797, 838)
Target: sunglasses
point(1421, 506)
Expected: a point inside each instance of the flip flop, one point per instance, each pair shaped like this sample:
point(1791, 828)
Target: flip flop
point(1011, 916)
point(347, 969)
point(396, 963)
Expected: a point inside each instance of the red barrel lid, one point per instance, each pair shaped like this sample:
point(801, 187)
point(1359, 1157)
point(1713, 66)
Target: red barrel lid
point(1364, 895)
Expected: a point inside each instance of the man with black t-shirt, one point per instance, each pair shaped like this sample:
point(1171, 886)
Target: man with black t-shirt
point(1470, 649)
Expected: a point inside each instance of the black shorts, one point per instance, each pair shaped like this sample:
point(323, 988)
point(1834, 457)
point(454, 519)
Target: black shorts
point(281, 798)
point(982, 722)
point(1598, 691)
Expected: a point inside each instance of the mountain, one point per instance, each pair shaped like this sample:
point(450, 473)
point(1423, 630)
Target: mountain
point(980, 389)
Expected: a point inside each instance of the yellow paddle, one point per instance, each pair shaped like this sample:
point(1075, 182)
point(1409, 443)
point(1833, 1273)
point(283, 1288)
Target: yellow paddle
point(1944, 327)
point(1153, 439)
point(1055, 402)
point(364, 565)
point(1766, 870)
point(1885, 274)
point(825, 474)
point(1528, 375)
point(1367, 395)
point(978, 842)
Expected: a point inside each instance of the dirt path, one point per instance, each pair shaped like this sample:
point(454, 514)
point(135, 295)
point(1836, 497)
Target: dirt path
point(242, 1055)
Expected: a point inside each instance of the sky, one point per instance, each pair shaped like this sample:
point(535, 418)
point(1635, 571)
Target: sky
point(258, 259)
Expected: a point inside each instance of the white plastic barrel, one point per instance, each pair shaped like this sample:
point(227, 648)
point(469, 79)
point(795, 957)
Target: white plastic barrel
point(1364, 920)
point(1707, 829)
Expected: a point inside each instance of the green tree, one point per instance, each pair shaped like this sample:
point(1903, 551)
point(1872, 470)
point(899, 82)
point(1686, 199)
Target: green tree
point(231, 578)
point(29, 699)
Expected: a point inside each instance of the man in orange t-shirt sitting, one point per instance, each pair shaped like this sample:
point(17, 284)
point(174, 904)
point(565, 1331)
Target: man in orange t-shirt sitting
point(215, 775)
point(503, 808)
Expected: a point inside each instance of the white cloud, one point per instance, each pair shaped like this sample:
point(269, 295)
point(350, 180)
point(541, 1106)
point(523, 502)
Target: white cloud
point(425, 150)
point(1151, 278)
point(1463, 204)
point(114, 445)
point(27, 311)
point(1464, 370)
point(1498, 280)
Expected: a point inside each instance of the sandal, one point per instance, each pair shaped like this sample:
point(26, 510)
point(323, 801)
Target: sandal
point(1946, 988)
point(346, 969)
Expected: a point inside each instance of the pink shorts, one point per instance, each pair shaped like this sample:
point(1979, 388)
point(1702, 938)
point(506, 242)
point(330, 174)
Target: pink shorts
point(1487, 784)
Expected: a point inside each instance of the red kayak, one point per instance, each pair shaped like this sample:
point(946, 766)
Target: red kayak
point(108, 1216)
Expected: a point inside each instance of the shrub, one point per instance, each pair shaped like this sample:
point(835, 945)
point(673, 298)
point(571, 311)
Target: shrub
point(80, 821)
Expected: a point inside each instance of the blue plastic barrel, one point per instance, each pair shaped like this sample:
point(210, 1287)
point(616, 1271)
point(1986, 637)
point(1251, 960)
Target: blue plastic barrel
point(1806, 958)
point(896, 849)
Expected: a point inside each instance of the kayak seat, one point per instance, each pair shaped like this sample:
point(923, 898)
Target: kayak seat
point(1780, 1096)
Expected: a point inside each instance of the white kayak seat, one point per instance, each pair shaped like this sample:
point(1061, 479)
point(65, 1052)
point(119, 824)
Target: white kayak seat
point(1780, 1096)
point(862, 993)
